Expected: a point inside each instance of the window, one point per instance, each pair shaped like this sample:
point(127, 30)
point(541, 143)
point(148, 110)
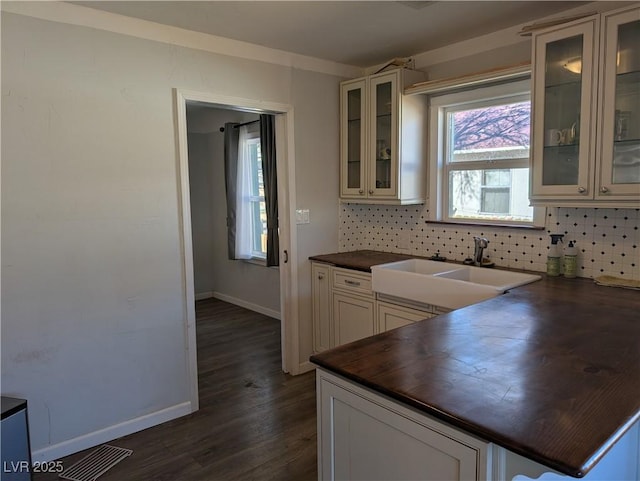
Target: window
point(251, 235)
point(481, 152)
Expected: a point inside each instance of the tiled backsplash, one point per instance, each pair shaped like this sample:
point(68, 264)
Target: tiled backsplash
point(607, 239)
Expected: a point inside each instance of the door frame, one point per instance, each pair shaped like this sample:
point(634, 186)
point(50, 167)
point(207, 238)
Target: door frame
point(285, 163)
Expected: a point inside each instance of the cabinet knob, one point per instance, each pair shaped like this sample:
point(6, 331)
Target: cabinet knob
point(582, 190)
point(361, 191)
point(370, 191)
point(320, 276)
point(604, 190)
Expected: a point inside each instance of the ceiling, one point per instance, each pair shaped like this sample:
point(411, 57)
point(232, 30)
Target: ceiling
point(358, 33)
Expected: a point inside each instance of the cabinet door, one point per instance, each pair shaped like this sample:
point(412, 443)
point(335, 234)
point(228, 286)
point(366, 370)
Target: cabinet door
point(390, 316)
point(321, 301)
point(368, 438)
point(352, 318)
point(619, 168)
point(564, 105)
point(353, 125)
point(383, 139)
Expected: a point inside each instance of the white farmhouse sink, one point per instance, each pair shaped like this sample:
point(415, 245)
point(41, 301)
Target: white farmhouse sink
point(441, 284)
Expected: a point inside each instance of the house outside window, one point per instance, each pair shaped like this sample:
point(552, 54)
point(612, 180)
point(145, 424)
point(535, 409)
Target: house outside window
point(481, 148)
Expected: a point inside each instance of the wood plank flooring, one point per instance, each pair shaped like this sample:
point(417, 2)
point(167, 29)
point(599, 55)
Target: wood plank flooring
point(254, 422)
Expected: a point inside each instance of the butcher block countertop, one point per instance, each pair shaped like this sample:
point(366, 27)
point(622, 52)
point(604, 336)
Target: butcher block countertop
point(550, 370)
point(360, 260)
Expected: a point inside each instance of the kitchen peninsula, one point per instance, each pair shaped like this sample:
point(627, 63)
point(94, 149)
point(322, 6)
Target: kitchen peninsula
point(543, 380)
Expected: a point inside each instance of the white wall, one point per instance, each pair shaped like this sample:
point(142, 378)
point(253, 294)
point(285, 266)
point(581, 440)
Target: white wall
point(497, 58)
point(316, 162)
point(93, 305)
point(201, 191)
point(242, 282)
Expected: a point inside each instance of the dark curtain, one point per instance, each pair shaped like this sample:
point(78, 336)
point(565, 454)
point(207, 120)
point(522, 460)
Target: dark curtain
point(270, 178)
point(231, 135)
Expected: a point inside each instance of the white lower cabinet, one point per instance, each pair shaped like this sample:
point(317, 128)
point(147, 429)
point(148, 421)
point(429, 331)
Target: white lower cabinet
point(363, 435)
point(321, 302)
point(345, 308)
point(353, 318)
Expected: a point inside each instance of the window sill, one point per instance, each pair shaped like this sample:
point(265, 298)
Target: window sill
point(259, 262)
point(480, 224)
point(256, 261)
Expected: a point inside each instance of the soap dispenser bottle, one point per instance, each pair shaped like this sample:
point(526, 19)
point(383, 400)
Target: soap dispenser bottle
point(570, 261)
point(554, 257)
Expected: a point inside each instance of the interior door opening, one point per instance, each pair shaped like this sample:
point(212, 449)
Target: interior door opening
point(207, 270)
point(245, 283)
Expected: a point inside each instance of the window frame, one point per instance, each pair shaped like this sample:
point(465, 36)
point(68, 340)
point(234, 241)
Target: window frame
point(439, 106)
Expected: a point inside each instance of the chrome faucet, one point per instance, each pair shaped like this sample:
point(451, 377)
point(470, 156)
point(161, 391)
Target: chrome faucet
point(480, 245)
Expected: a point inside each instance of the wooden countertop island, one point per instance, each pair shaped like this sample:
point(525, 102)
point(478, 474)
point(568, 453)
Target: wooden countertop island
point(550, 371)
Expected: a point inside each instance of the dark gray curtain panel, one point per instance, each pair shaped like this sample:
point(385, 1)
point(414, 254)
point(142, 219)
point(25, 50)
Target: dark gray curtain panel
point(269, 172)
point(231, 135)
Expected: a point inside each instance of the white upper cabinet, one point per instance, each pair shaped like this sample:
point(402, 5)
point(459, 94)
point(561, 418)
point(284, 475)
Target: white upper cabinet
point(618, 174)
point(383, 140)
point(586, 120)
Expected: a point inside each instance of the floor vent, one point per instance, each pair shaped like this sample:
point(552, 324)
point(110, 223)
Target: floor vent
point(95, 464)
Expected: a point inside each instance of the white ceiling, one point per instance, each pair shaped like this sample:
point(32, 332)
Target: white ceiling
point(358, 33)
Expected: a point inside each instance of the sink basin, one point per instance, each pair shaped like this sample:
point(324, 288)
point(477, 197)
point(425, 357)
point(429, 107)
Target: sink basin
point(501, 280)
point(443, 284)
point(418, 266)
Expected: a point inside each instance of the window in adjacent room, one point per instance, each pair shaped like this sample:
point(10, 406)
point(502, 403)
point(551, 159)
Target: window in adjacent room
point(480, 157)
point(251, 235)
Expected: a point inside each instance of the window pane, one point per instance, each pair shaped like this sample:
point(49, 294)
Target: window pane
point(258, 206)
point(490, 194)
point(496, 178)
point(259, 222)
point(495, 201)
point(256, 167)
point(489, 133)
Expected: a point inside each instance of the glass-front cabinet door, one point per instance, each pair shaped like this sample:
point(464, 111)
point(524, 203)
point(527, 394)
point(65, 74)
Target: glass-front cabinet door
point(352, 139)
point(383, 141)
point(373, 169)
point(564, 100)
point(619, 169)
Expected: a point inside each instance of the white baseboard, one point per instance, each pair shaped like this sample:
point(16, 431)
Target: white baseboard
point(306, 367)
point(110, 433)
point(204, 295)
point(247, 305)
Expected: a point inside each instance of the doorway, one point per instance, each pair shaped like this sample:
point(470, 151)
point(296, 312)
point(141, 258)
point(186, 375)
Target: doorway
point(245, 283)
point(287, 277)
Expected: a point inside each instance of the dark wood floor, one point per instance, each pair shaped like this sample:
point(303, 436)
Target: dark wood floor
point(254, 422)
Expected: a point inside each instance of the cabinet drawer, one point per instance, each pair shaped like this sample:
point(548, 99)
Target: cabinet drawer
point(351, 281)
